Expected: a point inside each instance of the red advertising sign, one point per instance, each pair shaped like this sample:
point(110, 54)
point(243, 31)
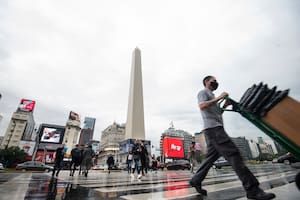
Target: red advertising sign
point(173, 148)
point(26, 105)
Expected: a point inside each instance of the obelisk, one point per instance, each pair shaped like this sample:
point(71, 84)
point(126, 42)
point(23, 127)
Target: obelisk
point(135, 128)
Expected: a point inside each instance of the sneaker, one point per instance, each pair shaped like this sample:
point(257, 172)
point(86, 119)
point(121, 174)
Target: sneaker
point(132, 176)
point(261, 195)
point(198, 188)
point(139, 176)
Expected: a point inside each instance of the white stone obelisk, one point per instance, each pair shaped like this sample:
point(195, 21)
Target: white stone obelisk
point(135, 128)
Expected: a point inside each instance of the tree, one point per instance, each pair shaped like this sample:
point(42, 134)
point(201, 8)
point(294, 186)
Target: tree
point(12, 155)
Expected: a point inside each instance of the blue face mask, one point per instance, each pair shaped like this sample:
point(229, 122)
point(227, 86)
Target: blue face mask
point(214, 84)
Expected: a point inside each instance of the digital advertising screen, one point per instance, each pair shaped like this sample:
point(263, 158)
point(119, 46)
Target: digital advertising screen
point(52, 135)
point(173, 148)
point(45, 156)
point(27, 147)
point(26, 105)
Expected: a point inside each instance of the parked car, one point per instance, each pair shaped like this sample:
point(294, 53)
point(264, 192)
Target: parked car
point(179, 164)
point(34, 166)
point(221, 162)
point(287, 159)
point(1, 166)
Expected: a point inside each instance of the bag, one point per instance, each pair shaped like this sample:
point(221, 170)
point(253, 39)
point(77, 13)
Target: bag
point(76, 153)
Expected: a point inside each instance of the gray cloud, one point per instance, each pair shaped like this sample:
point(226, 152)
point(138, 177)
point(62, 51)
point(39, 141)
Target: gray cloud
point(78, 57)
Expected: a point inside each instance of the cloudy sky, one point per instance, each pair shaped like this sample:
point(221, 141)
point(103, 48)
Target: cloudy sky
point(76, 55)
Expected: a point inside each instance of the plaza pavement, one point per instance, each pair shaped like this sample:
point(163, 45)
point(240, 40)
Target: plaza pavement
point(221, 184)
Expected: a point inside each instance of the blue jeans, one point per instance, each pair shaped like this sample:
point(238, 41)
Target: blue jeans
point(136, 165)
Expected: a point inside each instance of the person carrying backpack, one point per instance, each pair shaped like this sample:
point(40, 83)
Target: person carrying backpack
point(76, 156)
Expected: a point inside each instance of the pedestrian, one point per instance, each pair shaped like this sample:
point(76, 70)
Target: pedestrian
point(81, 148)
point(220, 144)
point(59, 158)
point(144, 159)
point(136, 151)
point(154, 163)
point(110, 162)
point(129, 161)
point(76, 158)
point(87, 159)
point(192, 155)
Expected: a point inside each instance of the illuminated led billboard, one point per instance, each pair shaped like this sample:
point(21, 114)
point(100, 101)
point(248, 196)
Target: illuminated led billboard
point(173, 148)
point(26, 105)
point(52, 134)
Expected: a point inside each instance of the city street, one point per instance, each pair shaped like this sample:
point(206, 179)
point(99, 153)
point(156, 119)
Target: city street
point(221, 184)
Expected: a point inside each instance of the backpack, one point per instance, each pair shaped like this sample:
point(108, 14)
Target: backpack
point(76, 153)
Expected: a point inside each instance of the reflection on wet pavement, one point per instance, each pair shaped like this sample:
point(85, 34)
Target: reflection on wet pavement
point(220, 184)
point(43, 186)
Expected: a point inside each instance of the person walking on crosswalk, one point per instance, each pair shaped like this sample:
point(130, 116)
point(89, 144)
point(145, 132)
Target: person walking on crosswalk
point(136, 151)
point(59, 160)
point(220, 144)
point(87, 158)
point(192, 155)
point(110, 163)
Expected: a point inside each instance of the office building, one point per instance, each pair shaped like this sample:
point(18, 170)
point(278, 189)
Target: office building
point(21, 125)
point(71, 135)
point(87, 133)
point(254, 149)
point(110, 141)
point(243, 146)
point(178, 138)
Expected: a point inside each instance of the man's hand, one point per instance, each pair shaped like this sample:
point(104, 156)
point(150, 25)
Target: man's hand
point(227, 103)
point(223, 95)
point(206, 104)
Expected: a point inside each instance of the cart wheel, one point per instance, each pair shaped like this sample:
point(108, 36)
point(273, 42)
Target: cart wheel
point(287, 162)
point(297, 180)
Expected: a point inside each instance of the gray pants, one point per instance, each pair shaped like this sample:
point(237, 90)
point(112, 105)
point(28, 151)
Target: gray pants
point(219, 144)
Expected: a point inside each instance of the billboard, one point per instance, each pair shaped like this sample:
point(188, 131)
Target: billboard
point(26, 105)
point(45, 156)
point(74, 116)
point(52, 134)
point(27, 146)
point(173, 148)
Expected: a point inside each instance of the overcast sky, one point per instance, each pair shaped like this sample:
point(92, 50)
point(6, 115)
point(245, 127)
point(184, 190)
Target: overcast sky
point(76, 55)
